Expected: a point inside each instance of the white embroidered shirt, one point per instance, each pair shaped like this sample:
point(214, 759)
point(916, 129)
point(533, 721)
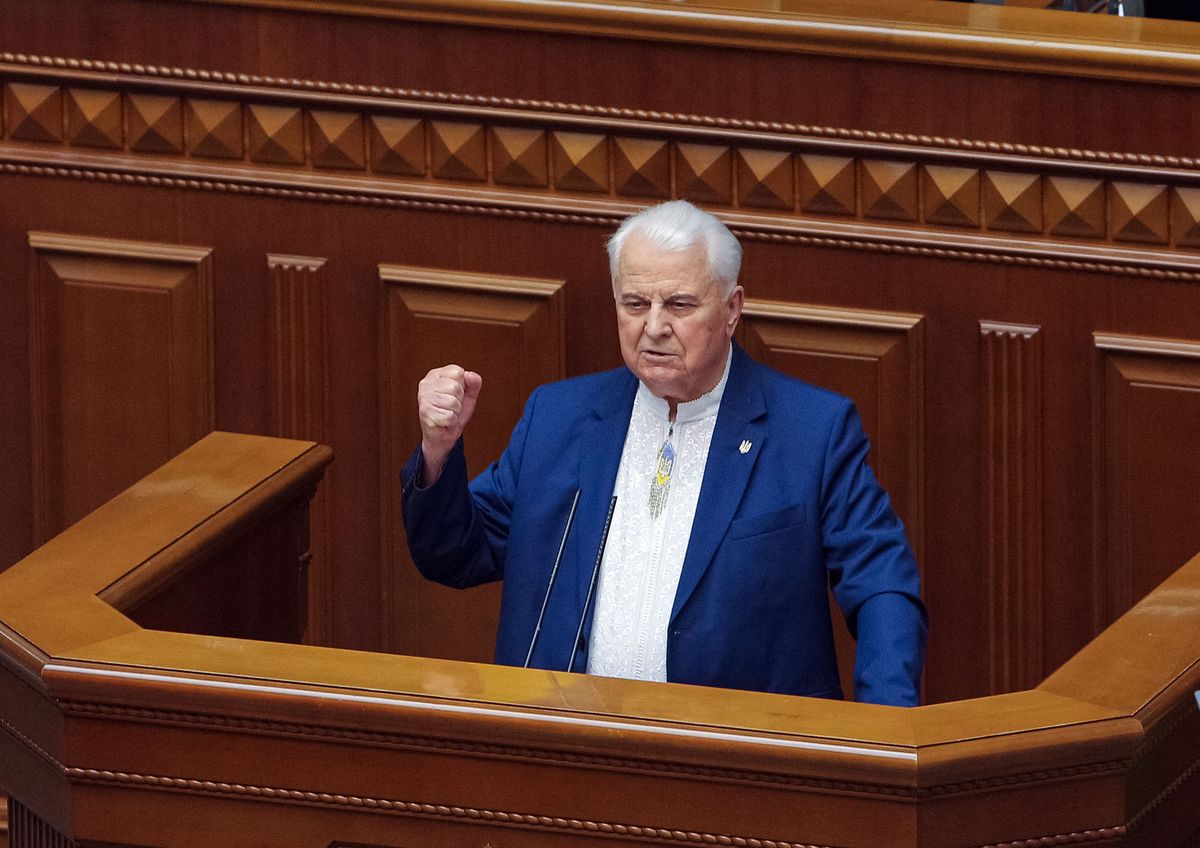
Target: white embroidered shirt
point(644, 556)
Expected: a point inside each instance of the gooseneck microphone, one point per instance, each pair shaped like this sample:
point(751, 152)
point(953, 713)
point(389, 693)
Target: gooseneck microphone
point(612, 506)
point(562, 545)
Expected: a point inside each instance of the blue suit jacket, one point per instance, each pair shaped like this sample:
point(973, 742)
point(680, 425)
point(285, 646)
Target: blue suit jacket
point(798, 512)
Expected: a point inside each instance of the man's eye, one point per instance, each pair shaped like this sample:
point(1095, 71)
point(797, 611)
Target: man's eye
point(681, 306)
point(635, 305)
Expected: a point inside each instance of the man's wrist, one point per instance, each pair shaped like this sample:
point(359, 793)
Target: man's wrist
point(432, 464)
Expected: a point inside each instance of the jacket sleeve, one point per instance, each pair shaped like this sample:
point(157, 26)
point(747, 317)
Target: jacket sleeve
point(458, 532)
point(871, 570)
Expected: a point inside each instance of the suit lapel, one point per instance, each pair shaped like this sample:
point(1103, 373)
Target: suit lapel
point(741, 419)
point(600, 445)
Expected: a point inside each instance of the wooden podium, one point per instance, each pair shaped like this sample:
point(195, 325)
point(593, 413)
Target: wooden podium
point(152, 694)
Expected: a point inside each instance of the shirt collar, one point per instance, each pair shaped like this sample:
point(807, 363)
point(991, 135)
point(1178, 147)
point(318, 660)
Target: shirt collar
point(693, 410)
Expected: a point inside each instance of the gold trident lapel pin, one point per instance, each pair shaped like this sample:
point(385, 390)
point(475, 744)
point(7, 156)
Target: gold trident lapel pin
point(745, 446)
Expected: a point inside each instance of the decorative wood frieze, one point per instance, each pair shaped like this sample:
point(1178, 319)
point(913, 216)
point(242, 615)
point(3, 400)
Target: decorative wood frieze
point(299, 402)
point(134, 121)
point(654, 764)
point(1011, 365)
point(506, 819)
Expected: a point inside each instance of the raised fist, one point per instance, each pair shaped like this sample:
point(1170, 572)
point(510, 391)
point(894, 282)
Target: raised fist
point(445, 403)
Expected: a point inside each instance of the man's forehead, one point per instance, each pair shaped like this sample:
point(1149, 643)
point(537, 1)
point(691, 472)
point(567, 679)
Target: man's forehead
point(645, 266)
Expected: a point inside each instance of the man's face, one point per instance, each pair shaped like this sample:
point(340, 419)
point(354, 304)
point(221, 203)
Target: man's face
point(673, 320)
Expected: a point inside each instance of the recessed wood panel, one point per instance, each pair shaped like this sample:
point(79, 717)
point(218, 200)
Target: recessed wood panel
point(509, 330)
point(1011, 365)
point(121, 373)
point(299, 403)
point(1147, 416)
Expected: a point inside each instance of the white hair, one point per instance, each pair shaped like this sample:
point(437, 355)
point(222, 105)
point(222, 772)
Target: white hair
point(677, 225)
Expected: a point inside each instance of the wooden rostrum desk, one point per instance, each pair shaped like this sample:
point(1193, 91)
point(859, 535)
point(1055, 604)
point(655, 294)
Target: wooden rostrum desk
point(152, 693)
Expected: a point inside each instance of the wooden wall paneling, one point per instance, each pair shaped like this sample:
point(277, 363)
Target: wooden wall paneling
point(300, 404)
point(875, 359)
point(121, 366)
point(929, 210)
point(1011, 364)
point(1080, 208)
point(512, 331)
point(1146, 417)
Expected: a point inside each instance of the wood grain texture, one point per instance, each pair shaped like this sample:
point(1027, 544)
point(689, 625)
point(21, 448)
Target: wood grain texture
point(166, 738)
point(121, 340)
point(984, 153)
point(939, 34)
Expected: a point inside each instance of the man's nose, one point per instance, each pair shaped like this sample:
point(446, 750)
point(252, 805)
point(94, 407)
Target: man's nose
point(658, 321)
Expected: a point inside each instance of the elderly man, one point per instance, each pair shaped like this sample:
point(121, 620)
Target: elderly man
point(741, 496)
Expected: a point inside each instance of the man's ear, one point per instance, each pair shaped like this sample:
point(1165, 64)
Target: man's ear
point(734, 304)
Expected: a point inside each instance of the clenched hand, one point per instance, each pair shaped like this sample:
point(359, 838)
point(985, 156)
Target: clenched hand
point(445, 403)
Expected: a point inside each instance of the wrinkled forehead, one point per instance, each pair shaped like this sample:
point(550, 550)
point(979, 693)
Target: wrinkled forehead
point(649, 269)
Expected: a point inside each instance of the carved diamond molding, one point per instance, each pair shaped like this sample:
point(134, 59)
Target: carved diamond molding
point(519, 157)
point(704, 172)
point(1075, 207)
point(642, 167)
point(827, 184)
point(1140, 212)
point(580, 161)
point(155, 123)
point(397, 145)
point(1185, 205)
point(458, 151)
point(215, 129)
point(337, 140)
point(276, 135)
point(765, 178)
point(94, 118)
point(1012, 201)
point(951, 196)
point(889, 189)
point(550, 148)
point(34, 112)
